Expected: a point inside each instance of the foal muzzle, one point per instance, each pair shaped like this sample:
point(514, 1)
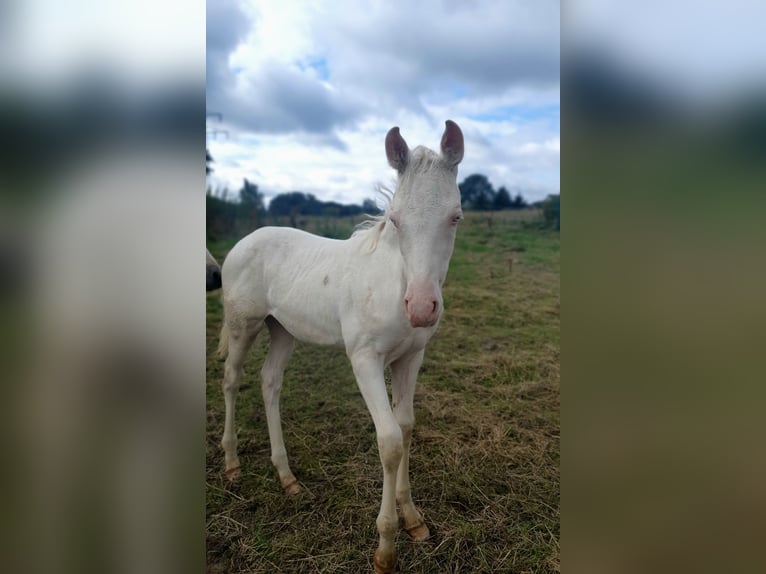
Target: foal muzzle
point(422, 304)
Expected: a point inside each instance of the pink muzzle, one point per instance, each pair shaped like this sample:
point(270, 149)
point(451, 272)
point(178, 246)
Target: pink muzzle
point(421, 304)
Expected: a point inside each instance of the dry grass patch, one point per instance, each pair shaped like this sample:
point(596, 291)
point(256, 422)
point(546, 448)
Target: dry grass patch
point(485, 453)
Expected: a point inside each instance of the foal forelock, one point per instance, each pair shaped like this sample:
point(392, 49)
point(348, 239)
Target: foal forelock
point(423, 162)
point(423, 180)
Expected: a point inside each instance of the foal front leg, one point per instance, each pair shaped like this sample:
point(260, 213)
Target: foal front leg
point(404, 373)
point(368, 369)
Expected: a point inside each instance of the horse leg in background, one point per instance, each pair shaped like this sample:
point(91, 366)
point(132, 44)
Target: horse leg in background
point(240, 337)
point(280, 349)
point(404, 373)
point(368, 369)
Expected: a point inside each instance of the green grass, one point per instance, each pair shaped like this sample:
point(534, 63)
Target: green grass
point(485, 453)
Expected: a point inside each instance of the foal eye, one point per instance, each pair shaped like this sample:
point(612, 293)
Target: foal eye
point(457, 218)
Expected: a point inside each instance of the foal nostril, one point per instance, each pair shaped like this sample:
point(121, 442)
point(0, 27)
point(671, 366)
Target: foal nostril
point(418, 311)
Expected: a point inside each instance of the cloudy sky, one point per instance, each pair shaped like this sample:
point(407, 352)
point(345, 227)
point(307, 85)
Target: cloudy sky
point(308, 90)
point(699, 50)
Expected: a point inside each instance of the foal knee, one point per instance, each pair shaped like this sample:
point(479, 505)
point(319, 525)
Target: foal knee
point(407, 428)
point(391, 448)
point(405, 417)
point(231, 377)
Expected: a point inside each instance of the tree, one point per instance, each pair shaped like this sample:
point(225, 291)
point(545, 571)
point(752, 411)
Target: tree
point(518, 202)
point(552, 211)
point(502, 199)
point(221, 216)
point(250, 203)
point(250, 197)
point(292, 203)
point(476, 192)
point(370, 208)
point(208, 161)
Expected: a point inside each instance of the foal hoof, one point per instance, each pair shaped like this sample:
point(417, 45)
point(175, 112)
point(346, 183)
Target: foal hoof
point(383, 566)
point(292, 488)
point(419, 532)
point(233, 473)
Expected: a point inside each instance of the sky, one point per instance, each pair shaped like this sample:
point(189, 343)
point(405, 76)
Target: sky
point(308, 89)
point(702, 52)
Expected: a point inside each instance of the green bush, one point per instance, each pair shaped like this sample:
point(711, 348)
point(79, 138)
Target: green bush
point(552, 211)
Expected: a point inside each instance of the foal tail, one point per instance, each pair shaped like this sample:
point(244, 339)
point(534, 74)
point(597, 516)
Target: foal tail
point(223, 343)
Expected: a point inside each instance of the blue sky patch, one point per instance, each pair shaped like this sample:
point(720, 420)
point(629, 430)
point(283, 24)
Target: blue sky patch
point(318, 64)
point(520, 114)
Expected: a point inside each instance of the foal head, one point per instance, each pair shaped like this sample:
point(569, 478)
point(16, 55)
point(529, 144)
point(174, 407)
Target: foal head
point(425, 211)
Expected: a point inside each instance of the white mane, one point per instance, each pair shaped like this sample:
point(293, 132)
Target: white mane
point(371, 228)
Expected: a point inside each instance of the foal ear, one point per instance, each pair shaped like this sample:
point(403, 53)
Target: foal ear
point(397, 151)
point(452, 143)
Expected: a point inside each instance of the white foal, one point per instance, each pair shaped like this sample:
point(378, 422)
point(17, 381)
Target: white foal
point(377, 294)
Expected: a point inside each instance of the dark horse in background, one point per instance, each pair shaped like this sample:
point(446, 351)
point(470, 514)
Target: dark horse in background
point(213, 271)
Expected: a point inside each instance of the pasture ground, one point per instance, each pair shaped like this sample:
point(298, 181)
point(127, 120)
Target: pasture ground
point(485, 453)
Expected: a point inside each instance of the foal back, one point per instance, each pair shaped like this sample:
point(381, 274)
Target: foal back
point(290, 275)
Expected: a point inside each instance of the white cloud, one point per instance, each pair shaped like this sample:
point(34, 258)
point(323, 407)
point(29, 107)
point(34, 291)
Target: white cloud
point(309, 90)
point(50, 40)
point(551, 145)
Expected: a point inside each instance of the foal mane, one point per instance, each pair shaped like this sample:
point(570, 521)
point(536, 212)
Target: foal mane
point(370, 229)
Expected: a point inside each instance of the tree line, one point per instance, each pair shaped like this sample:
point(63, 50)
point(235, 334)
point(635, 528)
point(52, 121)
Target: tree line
point(246, 210)
point(477, 193)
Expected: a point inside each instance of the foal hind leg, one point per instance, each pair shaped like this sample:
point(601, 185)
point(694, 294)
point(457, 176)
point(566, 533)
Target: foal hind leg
point(241, 337)
point(280, 349)
point(404, 373)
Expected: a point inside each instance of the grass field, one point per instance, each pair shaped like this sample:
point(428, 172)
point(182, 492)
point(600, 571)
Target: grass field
point(485, 453)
